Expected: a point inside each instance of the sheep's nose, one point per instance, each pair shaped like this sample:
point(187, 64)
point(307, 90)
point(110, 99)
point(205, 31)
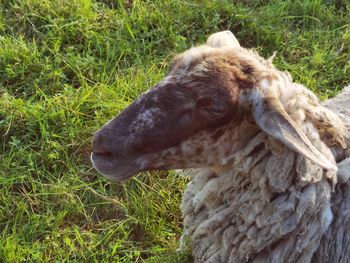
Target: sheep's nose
point(100, 144)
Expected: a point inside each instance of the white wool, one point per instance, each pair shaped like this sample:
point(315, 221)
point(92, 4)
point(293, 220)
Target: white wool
point(195, 53)
point(344, 170)
point(273, 205)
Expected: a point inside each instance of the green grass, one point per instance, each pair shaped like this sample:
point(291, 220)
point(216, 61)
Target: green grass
point(66, 67)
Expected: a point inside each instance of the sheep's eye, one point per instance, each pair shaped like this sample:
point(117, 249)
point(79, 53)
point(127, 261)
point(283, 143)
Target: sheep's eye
point(210, 109)
point(216, 111)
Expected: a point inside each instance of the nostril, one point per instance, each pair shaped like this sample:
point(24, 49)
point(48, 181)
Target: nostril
point(102, 146)
point(99, 144)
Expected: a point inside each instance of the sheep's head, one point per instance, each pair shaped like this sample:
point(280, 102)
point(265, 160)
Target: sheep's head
point(214, 99)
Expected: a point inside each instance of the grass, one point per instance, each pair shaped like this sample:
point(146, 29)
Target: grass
point(66, 67)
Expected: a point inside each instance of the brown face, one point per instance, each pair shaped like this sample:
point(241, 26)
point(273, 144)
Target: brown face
point(185, 121)
point(215, 98)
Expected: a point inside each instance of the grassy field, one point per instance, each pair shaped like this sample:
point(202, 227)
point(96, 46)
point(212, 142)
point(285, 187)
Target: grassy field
point(67, 66)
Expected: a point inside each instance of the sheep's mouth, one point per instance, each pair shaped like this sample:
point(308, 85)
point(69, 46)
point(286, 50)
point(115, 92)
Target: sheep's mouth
point(114, 167)
point(104, 155)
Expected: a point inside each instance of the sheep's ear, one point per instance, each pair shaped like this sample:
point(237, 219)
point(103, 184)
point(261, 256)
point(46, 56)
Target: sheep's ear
point(270, 115)
point(223, 39)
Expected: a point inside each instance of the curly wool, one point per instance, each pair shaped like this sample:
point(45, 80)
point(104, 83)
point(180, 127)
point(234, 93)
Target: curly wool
point(274, 205)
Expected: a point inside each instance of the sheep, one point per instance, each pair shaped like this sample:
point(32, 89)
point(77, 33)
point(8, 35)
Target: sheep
point(271, 163)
